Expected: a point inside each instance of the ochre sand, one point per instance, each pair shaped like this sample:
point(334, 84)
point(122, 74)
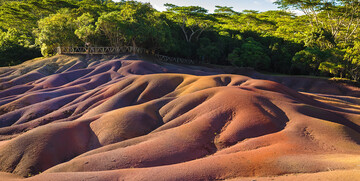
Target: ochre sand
point(64, 118)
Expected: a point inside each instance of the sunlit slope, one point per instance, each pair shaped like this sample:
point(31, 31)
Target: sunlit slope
point(130, 120)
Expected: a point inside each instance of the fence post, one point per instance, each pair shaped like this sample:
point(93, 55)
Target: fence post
point(58, 49)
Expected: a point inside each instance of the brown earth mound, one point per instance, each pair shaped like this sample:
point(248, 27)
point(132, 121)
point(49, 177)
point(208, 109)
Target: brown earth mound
point(65, 118)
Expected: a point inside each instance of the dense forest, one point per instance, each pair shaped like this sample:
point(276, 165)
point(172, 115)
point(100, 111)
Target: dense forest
point(323, 41)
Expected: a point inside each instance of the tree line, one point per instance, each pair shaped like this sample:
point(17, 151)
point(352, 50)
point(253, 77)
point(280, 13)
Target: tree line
point(323, 41)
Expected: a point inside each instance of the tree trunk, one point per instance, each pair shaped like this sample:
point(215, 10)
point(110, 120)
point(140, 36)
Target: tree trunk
point(134, 46)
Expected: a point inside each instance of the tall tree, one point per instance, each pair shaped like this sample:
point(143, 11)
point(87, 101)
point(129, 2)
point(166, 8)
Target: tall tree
point(85, 30)
point(55, 30)
point(342, 19)
point(135, 24)
point(338, 17)
point(308, 7)
point(193, 20)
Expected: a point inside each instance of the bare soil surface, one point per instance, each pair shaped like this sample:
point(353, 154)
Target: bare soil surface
point(123, 118)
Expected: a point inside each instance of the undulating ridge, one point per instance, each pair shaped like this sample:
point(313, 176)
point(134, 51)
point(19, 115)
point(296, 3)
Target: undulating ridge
point(124, 118)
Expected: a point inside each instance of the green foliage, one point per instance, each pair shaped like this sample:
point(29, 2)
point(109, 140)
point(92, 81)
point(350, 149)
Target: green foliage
point(331, 67)
point(320, 38)
point(280, 55)
point(14, 48)
point(251, 54)
point(193, 20)
point(23, 15)
point(225, 11)
point(108, 24)
point(310, 59)
point(55, 30)
point(208, 51)
point(300, 4)
point(135, 24)
point(352, 61)
point(338, 19)
point(234, 57)
point(92, 7)
point(322, 41)
point(85, 28)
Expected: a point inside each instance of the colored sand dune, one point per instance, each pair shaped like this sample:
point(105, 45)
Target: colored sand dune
point(64, 118)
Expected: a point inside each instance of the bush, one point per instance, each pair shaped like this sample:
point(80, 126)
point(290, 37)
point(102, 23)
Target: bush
point(251, 54)
point(15, 48)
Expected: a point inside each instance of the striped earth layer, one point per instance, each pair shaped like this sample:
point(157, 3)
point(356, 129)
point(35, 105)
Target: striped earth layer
point(123, 118)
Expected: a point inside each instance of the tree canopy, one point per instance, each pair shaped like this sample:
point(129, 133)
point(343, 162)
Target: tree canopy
point(324, 41)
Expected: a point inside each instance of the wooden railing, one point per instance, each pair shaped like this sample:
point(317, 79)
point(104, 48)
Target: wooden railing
point(174, 59)
point(101, 50)
point(118, 50)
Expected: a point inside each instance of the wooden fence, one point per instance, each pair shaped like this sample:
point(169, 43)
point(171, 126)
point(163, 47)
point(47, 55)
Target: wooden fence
point(118, 50)
point(100, 50)
point(174, 59)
